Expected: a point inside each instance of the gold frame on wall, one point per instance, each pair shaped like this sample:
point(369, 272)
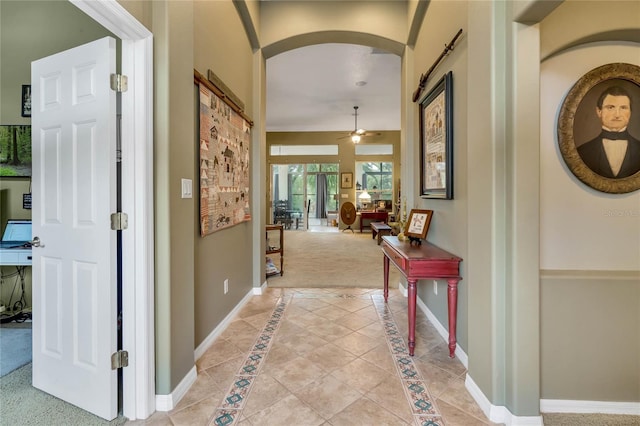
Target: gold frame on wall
point(346, 180)
point(578, 122)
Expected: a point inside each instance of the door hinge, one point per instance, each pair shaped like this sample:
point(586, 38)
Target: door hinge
point(119, 83)
point(119, 359)
point(119, 221)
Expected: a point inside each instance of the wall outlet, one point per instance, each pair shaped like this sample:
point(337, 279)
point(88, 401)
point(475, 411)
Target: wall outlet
point(226, 286)
point(435, 287)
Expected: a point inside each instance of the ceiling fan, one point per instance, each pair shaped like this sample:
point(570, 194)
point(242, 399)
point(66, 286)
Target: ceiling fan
point(357, 134)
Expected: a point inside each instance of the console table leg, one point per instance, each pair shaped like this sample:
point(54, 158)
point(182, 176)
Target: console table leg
point(412, 315)
point(385, 266)
point(452, 297)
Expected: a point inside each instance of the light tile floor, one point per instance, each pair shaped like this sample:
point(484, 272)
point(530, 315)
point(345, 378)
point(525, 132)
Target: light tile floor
point(335, 357)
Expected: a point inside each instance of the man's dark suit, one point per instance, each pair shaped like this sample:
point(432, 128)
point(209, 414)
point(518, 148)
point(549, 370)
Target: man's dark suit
point(594, 156)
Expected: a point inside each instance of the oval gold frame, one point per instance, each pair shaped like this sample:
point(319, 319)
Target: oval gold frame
point(566, 118)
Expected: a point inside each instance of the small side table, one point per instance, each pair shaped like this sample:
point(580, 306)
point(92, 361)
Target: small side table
point(380, 229)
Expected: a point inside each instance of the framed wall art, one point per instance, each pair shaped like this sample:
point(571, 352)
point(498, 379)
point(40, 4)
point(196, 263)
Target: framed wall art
point(225, 138)
point(26, 100)
point(15, 150)
point(436, 141)
point(418, 224)
point(599, 132)
point(346, 180)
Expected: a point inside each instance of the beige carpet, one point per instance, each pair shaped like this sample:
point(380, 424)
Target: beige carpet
point(567, 419)
point(331, 259)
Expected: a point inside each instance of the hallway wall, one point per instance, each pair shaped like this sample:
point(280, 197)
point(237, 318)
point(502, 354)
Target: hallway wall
point(590, 256)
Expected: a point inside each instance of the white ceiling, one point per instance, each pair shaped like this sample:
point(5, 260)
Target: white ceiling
point(314, 89)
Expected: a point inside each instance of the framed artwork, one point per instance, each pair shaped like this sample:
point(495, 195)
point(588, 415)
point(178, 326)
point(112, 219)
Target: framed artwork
point(418, 224)
point(15, 150)
point(436, 144)
point(595, 117)
point(346, 180)
point(26, 100)
point(225, 138)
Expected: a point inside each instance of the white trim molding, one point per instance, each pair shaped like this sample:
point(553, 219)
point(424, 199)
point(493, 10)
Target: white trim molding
point(499, 413)
point(258, 291)
point(137, 201)
point(590, 407)
point(169, 402)
point(208, 341)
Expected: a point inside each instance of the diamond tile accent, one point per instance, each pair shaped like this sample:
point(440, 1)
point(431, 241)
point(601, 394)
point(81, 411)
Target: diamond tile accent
point(415, 388)
point(296, 316)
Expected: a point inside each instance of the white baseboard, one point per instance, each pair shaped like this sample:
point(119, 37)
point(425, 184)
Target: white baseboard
point(208, 341)
point(169, 402)
point(590, 407)
point(442, 330)
point(258, 291)
point(498, 414)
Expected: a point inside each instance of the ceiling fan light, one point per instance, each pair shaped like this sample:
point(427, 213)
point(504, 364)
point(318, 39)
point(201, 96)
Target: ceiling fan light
point(355, 138)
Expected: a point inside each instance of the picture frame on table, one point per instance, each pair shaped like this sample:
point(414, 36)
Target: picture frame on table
point(583, 117)
point(346, 180)
point(436, 140)
point(418, 224)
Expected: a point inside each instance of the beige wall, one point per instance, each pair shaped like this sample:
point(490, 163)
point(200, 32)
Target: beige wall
point(312, 22)
point(448, 227)
point(590, 336)
point(590, 292)
point(220, 44)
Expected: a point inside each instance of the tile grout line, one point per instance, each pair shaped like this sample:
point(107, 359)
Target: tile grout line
point(415, 388)
point(231, 406)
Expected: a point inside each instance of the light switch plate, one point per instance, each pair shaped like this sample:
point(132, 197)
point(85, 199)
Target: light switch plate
point(187, 186)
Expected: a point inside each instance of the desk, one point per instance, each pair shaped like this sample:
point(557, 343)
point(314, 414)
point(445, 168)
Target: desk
point(18, 254)
point(421, 262)
point(15, 253)
point(375, 216)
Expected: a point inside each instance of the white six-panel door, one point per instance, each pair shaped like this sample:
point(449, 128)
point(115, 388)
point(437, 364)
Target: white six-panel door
point(74, 193)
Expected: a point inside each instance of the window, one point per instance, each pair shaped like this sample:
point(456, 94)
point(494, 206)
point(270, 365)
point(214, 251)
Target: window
point(299, 183)
point(377, 179)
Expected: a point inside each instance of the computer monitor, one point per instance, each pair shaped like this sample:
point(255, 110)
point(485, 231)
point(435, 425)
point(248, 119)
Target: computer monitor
point(18, 230)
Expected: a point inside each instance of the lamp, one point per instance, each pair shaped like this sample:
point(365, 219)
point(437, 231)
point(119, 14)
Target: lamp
point(364, 198)
point(355, 138)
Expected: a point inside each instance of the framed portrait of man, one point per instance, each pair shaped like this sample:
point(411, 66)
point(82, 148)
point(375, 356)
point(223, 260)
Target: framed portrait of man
point(599, 128)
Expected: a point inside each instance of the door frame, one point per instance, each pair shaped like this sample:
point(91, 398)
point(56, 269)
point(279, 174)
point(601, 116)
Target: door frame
point(137, 201)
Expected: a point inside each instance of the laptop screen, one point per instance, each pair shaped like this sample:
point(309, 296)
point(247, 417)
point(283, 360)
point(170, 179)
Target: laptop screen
point(17, 230)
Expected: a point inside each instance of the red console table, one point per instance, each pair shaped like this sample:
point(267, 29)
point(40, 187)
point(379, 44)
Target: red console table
point(421, 262)
point(374, 216)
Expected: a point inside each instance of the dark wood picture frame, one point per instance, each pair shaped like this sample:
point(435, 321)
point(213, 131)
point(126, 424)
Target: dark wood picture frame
point(418, 224)
point(346, 180)
point(25, 106)
point(579, 124)
point(436, 141)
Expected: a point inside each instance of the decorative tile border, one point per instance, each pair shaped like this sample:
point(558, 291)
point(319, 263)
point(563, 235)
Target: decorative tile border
point(415, 388)
point(425, 412)
point(230, 408)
